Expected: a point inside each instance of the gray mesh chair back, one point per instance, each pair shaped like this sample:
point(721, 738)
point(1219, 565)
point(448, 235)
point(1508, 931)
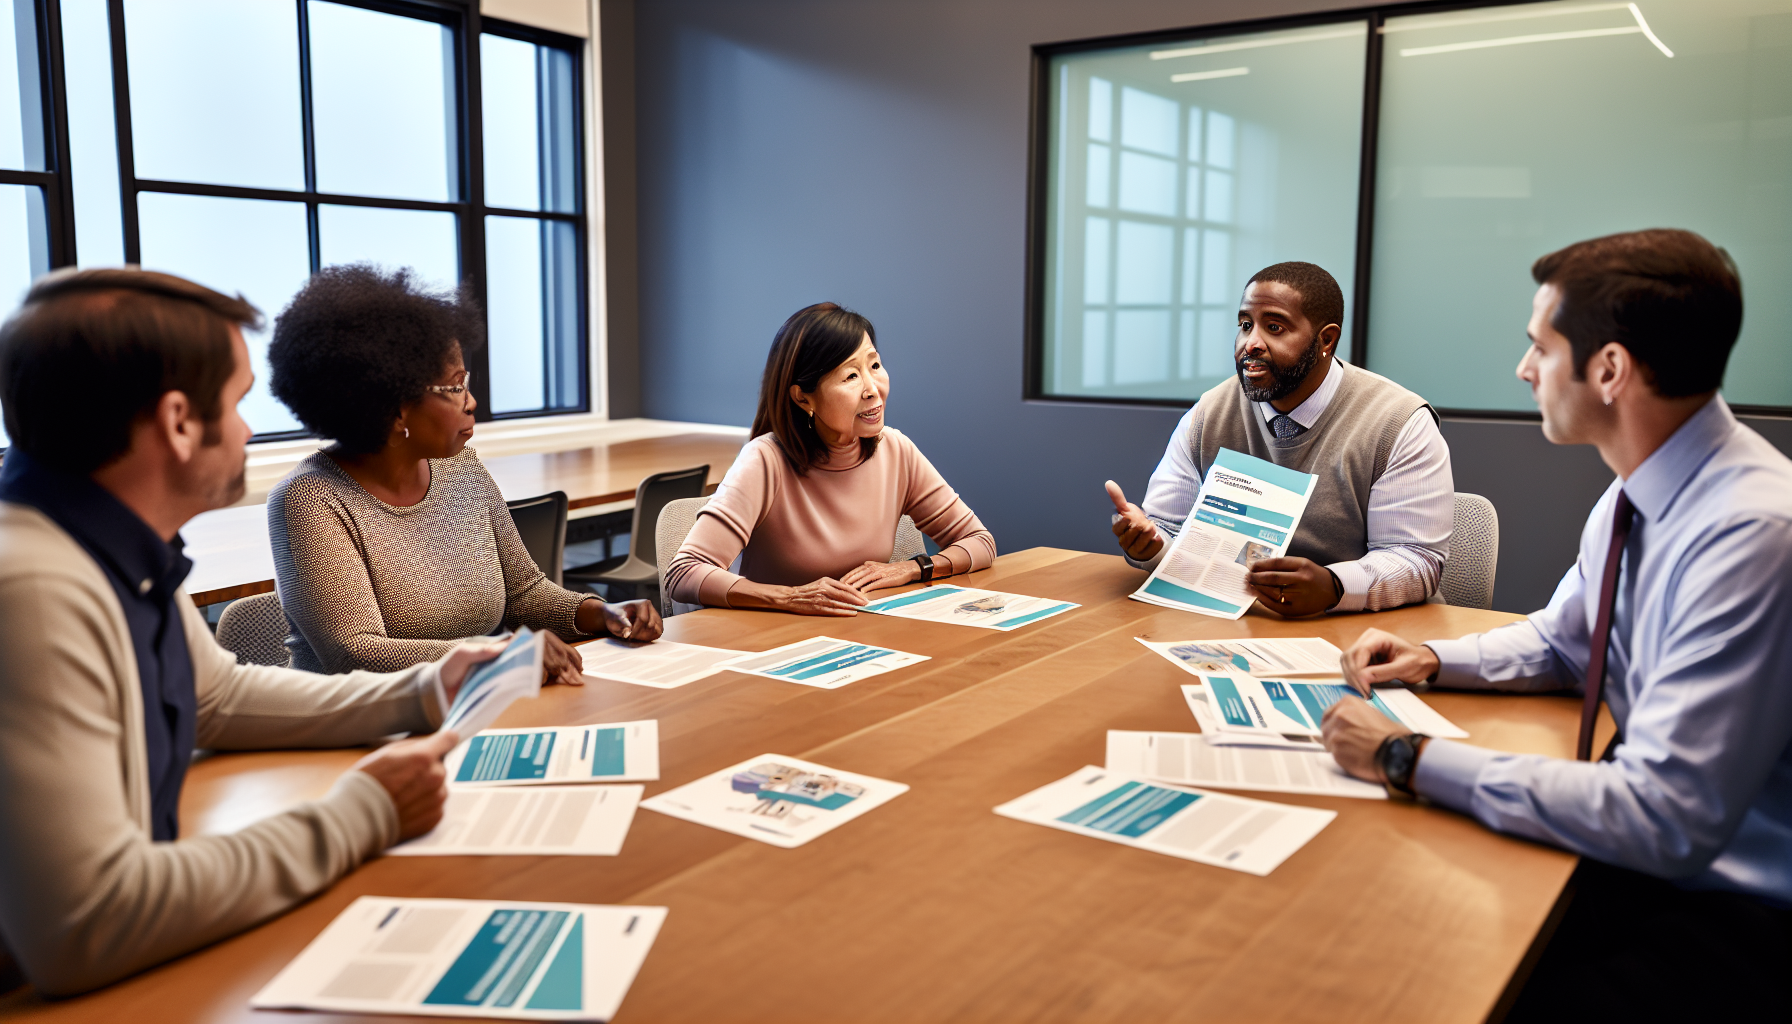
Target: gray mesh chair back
point(542, 523)
point(254, 629)
point(639, 568)
point(1474, 554)
point(909, 541)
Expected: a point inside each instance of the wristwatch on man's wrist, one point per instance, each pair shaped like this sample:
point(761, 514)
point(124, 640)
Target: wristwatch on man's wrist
point(1396, 758)
point(926, 564)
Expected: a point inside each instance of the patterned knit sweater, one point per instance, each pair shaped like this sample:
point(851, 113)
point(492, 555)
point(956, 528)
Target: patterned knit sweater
point(367, 585)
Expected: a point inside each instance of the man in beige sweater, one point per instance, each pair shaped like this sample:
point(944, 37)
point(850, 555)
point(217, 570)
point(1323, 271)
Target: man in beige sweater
point(120, 390)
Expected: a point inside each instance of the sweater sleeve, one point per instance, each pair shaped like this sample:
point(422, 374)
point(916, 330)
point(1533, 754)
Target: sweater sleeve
point(530, 598)
point(941, 514)
point(699, 574)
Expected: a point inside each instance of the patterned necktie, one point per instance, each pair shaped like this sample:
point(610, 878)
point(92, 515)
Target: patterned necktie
point(1284, 427)
point(1622, 515)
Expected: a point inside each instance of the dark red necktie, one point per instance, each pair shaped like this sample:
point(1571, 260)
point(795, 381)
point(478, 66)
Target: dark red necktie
point(1602, 625)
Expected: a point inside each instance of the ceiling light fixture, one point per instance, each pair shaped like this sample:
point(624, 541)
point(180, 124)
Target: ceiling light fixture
point(1202, 76)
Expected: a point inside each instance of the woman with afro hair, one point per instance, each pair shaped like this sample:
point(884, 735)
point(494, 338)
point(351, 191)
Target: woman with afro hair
point(393, 542)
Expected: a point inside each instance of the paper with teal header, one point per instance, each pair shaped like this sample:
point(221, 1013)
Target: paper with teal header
point(963, 606)
point(1245, 705)
point(470, 958)
point(783, 801)
point(1210, 828)
point(1247, 510)
point(552, 755)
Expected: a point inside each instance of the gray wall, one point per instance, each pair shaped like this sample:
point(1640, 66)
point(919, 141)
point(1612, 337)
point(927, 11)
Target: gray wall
point(874, 153)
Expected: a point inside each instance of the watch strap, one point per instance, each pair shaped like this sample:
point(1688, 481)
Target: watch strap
point(926, 564)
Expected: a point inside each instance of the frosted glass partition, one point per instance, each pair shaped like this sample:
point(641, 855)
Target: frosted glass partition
point(1176, 171)
point(1509, 132)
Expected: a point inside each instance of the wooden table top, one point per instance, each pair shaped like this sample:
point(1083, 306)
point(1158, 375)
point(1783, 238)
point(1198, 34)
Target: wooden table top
point(229, 546)
point(932, 907)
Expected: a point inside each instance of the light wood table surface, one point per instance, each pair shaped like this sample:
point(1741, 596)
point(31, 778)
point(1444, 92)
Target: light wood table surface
point(229, 547)
point(933, 908)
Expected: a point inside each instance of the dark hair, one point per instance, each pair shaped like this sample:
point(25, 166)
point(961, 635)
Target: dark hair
point(356, 344)
point(1321, 300)
point(1669, 296)
point(807, 348)
point(93, 351)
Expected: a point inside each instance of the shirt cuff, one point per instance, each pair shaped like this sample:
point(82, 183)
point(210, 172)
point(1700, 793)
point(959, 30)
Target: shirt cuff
point(1447, 772)
point(1458, 661)
point(432, 694)
point(1356, 586)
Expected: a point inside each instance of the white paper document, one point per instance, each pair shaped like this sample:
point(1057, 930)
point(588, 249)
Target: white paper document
point(1248, 509)
point(1189, 758)
point(550, 755)
point(1292, 707)
point(662, 664)
point(491, 686)
point(962, 606)
point(823, 662)
point(469, 958)
point(1277, 656)
point(1196, 696)
point(776, 799)
point(586, 821)
point(1212, 828)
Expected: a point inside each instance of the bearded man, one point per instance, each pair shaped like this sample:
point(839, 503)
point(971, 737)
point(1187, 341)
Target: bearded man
point(1377, 528)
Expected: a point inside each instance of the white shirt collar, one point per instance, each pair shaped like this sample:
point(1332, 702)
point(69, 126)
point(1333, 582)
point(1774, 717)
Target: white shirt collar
point(1308, 412)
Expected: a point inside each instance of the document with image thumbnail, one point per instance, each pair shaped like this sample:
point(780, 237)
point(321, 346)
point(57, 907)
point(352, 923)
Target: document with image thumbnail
point(1247, 510)
point(1275, 656)
point(662, 664)
point(962, 606)
point(469, 958)
point(1290, 707)
point(582, 821)
point(776, 799)
point(1196, 697)
point(1212, 828)
point(552, 755)
point(1192, 759)
point(823, 662)
point(492, 686)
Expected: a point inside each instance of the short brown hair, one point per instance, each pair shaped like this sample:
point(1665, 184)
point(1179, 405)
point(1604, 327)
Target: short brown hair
point(92, 351)
point(807, 348)
point(1670, 297)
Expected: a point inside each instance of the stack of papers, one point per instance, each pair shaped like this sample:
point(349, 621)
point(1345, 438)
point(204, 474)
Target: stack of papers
point(662, 664)
point(469, 958)
point(779, 800)
point(823, 662)
point(1285, 707)
point(1211, 828)
point(990, 609)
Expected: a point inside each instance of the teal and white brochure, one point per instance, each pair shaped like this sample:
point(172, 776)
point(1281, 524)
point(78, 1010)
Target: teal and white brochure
point(550, 755)
point(1293, 707)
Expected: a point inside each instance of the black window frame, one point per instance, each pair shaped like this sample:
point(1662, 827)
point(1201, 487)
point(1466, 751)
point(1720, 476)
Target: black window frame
point(1039, 194)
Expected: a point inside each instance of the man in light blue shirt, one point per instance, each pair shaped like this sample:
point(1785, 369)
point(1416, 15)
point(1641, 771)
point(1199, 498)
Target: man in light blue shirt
point(1686, 564)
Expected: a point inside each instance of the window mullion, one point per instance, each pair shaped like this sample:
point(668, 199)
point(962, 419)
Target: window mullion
point(121, 112)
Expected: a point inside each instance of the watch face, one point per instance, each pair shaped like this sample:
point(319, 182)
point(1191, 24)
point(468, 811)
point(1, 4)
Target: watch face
point(1399, 761)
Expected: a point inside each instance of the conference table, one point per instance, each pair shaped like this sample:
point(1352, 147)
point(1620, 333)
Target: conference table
point(933, 908)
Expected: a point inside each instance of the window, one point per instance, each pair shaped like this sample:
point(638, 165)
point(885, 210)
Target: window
point(247, 143)
point(1500, 133)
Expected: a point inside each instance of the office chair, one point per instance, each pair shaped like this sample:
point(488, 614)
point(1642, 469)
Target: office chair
point(637, 571)
point(542, 523)
point(1467, 580)
point(254, 629)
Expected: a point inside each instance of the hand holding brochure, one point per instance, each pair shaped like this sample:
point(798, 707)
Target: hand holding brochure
point(990, 609)
point(1248, 509)
point(469, 958)
point(549, 755)
point(491, 686)
point(1293, 708)
point(775, 799)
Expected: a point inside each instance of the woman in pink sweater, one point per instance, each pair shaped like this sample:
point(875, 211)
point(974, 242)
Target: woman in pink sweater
point(811, 504)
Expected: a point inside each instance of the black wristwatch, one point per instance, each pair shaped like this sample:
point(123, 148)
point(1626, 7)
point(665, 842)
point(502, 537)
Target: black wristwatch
point(1396, 758)
point(926, 564)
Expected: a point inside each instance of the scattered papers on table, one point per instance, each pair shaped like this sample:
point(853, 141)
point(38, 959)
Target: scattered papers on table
point(1278, 657)
point(590, 821)
point(491, 686)
point(1247, 510)
point(1196, 696)
point(990, 609)
point(546, 755)
point(469, 958)
point(823, 662)
point(662, 664)
point(1212, 828)
point(1189, 758)
point(1294, 708)
point(776, 799)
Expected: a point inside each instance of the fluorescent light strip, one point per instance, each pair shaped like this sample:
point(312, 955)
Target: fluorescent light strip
point(1202, 76)
point(1414, 24)
point(1637, 13)
point(1544, 37)
point(1257, 44)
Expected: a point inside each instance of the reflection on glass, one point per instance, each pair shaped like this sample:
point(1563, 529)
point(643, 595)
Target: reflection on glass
point(1165, 196)
point(24, 247)
point(532, 315)
point(21, 98)
point(424, 240)
point(215, 91)
point(92, 133)
point(1495, 153)
point(529, 116)
point(251, 247)
point(382, 92)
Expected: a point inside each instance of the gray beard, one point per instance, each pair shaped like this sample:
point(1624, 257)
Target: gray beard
point(1283, 380)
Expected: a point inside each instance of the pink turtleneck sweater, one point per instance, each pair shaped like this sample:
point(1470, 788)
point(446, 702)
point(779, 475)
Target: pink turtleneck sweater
point(790, 530)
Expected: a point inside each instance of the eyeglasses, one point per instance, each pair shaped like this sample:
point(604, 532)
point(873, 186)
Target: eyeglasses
point(461, 390)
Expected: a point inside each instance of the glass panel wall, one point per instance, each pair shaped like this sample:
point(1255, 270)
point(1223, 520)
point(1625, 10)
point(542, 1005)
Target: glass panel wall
point(382, 96)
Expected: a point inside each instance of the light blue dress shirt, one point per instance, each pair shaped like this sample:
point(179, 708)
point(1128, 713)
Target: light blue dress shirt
point(1699, 677)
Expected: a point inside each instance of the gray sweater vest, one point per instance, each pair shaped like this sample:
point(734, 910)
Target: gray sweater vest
point(1347, 448)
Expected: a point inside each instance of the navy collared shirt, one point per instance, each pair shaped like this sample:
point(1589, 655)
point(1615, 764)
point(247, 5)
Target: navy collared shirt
point(145, 570)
